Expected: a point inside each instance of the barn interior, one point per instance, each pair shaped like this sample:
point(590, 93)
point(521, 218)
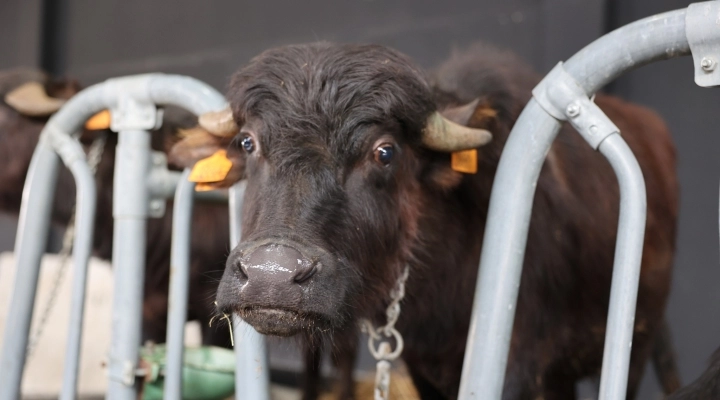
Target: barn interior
point(94, 41)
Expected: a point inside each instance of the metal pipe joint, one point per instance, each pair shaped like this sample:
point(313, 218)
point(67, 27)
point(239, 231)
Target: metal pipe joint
point(133, 106)
point(562, 97)
point(702, 27)
point(64, 145)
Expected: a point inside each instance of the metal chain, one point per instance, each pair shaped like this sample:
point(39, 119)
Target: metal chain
point(94, 157)
point(384, 353)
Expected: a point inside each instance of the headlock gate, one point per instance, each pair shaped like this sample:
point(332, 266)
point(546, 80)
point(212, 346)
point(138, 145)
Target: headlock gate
point(565, 94)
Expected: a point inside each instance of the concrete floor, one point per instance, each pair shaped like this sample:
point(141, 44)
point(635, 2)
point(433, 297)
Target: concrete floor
point(44, 368)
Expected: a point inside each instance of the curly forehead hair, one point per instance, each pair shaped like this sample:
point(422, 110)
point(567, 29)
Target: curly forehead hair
point(331, 89)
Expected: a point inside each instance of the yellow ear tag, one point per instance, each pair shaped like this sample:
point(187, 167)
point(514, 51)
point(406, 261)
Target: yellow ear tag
point(211, 169)
point(464, 161)
point(98, 121)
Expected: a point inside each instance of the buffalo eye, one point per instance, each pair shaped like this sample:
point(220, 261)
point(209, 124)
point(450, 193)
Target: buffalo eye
point(248, 144)
point(384, 153)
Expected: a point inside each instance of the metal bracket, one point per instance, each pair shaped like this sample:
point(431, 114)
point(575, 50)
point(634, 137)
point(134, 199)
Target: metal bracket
point(121, 371)
point(160, 184)
point(131, 114)
point(67, 148)
point(561, 96)
point(702, 28)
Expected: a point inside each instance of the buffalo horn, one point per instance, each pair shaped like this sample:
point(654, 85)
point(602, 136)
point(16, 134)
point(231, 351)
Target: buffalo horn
point(31, 99)
point(219, 123)
point(441, 134)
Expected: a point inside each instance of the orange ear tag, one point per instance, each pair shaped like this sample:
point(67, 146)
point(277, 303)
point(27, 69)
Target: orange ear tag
point(98, 121)
point(464, 161)
point(204, 187)
point(211, 169)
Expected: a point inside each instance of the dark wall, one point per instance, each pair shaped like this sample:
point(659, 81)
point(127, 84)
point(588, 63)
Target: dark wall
point(210, 39)
point(20, 31)
point(93, 40)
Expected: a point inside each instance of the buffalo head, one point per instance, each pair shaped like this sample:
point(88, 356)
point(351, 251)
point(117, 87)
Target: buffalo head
point(341, 147)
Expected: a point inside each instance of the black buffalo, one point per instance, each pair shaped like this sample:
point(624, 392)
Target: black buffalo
point(346, 153)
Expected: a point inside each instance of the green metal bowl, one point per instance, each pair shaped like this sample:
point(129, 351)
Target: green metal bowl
point(208, 373)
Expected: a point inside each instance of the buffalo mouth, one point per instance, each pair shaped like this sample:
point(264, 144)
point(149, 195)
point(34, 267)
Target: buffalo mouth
point(280, 322)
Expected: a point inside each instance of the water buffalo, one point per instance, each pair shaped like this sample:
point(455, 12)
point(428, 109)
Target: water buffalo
point(346, 150)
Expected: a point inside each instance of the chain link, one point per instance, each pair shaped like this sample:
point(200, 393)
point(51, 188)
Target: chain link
point(384, 353)
point(94, 157)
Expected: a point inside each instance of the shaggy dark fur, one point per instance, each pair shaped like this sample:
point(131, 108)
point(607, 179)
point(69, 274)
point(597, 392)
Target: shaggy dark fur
point(317, 114)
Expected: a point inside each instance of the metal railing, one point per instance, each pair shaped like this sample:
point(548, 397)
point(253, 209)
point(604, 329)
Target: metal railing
point(251, 372)
point(564, 95)
point(141, 184)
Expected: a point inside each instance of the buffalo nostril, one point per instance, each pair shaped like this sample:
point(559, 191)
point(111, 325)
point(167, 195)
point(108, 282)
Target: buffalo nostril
point(241, 270)
point(306, 272)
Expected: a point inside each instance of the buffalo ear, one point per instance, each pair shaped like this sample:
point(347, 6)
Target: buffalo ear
point(193, 145)
point(197, 144)
point(478, 114)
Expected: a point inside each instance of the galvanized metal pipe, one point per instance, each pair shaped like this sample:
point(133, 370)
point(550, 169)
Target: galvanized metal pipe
point(162, 182)
point(236, 194)
point(626, 271)
point(29, 247)
point(72, 154)
point(647, 40)
point(251, 367)
point(503, 252)
point(655, 38)
point(130, 211)
point(179, 286)
point(164, 185)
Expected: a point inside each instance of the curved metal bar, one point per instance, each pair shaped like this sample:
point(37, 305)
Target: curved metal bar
point(82, 249)
point(655, 38)
point(503, 251)
point(179, 286)
point(183, 91)
point(72, 154)
point(626, 270)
